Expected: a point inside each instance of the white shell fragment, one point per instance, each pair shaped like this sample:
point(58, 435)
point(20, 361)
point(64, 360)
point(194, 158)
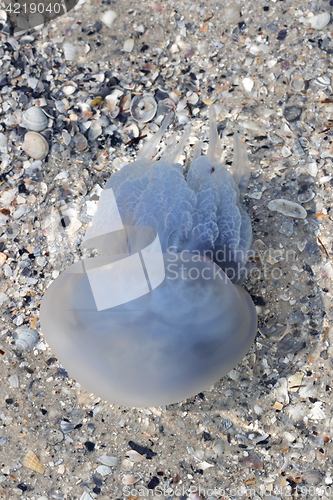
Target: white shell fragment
point(248, 84)
point(297, 83)
point(69, 51)
point(25, 339)
point(143, 108)
point(109, 17)
point(109, 461)
point(322, 81)
point(35, 145)
point(317, 22)
point(287, 207)
point(95, 131)
point(128, 45)
point(34, 119)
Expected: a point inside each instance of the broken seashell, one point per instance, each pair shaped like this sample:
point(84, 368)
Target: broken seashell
point(95, 131)
point(109, 461)
point(34, 119)
point(131, 130)
point(134, 456)
point(125, 103)
point(25, 339)
point(248, 84)
point(129, 479)
point(68, 89)
point(322, 81)
point(80, 142)
point(35, 145)
point(143, 108)
point(288, 208)
point(128, 45)
point(112, 99)
point(317, 22)
point(3, 16)
point(193, 98)
point(297, 83)
point(69, 51)
point(66, 426)
point(33, 462)
point(109, 17)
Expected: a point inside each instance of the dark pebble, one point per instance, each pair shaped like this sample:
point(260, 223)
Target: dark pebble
point(65, 221)
point(323, 354)
point(98, 25)
point(160, 95)
point(282, 35)
point(292, 113)
point(22, 487)
point(143, 450)
point(206, 436)
point(258, 301)
point(97, 481)
point(89, 445)
point(153, 483)
point(115, 140)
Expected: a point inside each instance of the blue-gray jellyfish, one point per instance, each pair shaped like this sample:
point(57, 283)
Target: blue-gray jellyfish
point(159, 315)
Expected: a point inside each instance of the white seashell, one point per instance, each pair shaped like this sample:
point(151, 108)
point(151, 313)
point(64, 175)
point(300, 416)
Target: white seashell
point(317, 413)
point(3, 16)
point(109, 17)
point(3, 143)
point(34, 119)
point(317, 22)
point(130, 479)
point(287, 207)
point(131, 130)
point(68, 89)
point(69, 51)
point(322, 81)
point(128, 45)
point(193, 98)
point(13, 381)
point(35, 145)
point(134, 456)
point(143, 108)
point(109, 461)
point(25, 339)
point(297, 83)
point(248, 84)
point(95, 131)
point(66, 426)
point(103, 470)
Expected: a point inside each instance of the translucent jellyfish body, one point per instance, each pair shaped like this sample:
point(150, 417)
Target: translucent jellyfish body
point(154, 319)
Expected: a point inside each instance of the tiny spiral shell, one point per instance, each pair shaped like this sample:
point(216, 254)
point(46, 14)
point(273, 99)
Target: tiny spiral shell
point(33, 462)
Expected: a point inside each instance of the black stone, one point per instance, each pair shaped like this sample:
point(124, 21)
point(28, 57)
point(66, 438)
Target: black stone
point(153, 483)
point(89, 445)
point(143, 450)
